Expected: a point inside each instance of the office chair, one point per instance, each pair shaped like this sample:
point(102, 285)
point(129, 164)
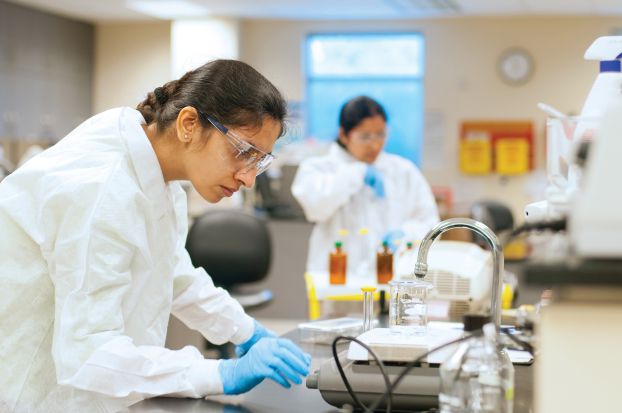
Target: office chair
point(235, 249)
point(495, 215)
point(499, 218)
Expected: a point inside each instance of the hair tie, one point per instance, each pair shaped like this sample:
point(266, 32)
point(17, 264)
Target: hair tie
point(160, 95)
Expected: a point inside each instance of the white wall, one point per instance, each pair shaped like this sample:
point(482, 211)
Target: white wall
point(461, 81)
point(131, 59)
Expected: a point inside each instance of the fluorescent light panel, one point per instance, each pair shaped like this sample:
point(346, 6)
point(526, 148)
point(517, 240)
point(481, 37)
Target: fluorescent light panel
point(168, 9)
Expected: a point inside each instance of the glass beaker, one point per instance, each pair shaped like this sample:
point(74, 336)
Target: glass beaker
point(408, 309)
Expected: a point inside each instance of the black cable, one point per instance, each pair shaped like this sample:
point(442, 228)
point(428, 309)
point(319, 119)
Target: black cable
point(413, 364)
point(383, 371)
point(391, 386)
point(554, 225)
point(523, 344)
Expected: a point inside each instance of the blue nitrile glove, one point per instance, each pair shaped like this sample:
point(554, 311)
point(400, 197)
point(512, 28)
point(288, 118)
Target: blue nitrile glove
point(274, 358)
point(373, 179)
point(259, 332)
point(391, 238)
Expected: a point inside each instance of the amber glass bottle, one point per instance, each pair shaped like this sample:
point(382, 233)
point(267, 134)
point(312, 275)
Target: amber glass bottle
point(384, 264)
point(337, 265)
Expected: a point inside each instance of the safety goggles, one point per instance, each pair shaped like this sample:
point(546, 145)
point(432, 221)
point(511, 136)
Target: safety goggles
point(367, 137)
point(252, 157)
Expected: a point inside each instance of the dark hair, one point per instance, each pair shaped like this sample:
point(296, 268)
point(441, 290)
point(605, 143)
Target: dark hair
point(354, 111)
point(230, 91)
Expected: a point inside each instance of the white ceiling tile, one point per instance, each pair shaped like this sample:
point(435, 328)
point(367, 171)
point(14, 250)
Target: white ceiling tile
point(608, 7)
point(106, 10)
point(558, 6)
point(488, 7)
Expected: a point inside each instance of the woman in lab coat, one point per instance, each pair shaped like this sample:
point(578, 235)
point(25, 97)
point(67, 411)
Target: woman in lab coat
point(92, 257)
point(360, 194)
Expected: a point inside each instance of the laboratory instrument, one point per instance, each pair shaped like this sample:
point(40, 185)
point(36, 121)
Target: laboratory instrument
point(586, 275)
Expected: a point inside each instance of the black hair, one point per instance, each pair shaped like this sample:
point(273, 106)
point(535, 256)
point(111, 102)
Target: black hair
point(230, 91)
point(355, 110)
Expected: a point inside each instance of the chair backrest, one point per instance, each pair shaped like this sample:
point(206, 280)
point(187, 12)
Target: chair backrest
point(497, 216)
point(232, 246)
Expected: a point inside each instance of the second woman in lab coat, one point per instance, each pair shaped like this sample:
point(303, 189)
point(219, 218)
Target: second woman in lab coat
point(359, 190)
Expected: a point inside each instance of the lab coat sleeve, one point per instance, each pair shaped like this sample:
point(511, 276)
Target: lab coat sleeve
point(206, 308)
point(90, 265)
point(322, 187)
point(423, 213)
point(196, 301)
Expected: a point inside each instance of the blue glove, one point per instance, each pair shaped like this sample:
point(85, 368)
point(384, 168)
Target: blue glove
point(275, 358)
point(373, 179)
point(392, 237)
point(259, 332)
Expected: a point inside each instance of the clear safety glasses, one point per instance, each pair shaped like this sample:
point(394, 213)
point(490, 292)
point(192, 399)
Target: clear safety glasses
point(253, 157)
point(367, 137)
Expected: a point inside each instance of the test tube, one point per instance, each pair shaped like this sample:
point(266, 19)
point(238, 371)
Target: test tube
point(368, 307)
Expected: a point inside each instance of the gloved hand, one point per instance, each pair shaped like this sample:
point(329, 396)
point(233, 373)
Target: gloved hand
point(275, 358)
point(259, 332)
point(373, 179)
point(391, 238)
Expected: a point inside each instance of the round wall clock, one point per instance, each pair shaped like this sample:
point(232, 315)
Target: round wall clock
point(515, 66)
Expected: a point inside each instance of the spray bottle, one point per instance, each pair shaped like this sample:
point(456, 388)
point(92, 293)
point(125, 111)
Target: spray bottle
point(606, 89)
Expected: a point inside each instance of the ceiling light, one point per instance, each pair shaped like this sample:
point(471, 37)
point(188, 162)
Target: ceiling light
point(168, 9)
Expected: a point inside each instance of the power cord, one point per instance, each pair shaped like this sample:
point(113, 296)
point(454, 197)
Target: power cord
point(412, 364)
point(523, 344)
point(381, 366)
point(554, 225)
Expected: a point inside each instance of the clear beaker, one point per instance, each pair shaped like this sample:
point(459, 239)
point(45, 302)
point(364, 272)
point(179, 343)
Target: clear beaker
point(408, 309)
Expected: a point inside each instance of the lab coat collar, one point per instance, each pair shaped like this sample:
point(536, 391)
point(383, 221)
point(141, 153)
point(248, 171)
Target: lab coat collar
point(145, 161)
point(339, 153)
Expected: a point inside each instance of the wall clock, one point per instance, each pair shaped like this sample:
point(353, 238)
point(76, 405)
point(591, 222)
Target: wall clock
point(515, 66)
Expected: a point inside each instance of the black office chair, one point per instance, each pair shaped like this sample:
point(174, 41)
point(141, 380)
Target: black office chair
point(495, 215)
point(499, 218)
point(235, 249)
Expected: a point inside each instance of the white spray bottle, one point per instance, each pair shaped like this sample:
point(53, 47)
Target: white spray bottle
point(608, 84)
point(606, 89)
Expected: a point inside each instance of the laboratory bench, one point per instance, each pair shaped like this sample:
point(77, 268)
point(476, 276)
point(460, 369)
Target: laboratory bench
point(269, 397)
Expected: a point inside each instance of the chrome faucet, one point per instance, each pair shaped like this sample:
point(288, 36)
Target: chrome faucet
point(421, 267)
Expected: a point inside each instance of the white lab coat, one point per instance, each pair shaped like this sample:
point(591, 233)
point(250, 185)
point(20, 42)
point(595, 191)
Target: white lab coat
point(332, 194)
point(92, 262)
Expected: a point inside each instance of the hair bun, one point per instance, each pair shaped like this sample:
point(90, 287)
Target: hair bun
point(160, 95)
